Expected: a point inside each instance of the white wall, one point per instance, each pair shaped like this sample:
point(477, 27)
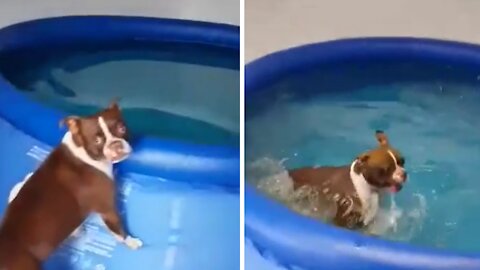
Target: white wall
point(277, 24)
point(225, 11)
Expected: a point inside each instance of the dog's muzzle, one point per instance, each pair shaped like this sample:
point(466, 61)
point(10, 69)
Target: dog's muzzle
point(400, 175)
point(117, 150)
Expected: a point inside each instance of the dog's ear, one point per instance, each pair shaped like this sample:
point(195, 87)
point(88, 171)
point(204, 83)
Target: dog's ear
point(363, 158)
point(114, 104)
point(360, 164)
point(382, 138)
point(72, 123)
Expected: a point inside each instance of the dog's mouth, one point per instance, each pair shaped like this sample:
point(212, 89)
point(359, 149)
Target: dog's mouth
point(399, 178)
point(117, 157)
point(395, 188)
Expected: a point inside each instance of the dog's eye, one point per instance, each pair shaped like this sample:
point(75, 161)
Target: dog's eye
point(98, 140)
point(401, 161)
point(121, 129)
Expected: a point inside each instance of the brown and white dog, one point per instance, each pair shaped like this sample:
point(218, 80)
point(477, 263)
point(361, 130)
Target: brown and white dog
point(355, 189)
point(75, 180)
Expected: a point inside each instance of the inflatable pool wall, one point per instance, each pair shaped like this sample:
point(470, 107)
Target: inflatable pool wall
point(277, 238)
point(180, 199)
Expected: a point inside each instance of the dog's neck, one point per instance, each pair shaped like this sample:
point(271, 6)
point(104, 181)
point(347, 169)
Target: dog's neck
point(367, 194)
point(80, 153)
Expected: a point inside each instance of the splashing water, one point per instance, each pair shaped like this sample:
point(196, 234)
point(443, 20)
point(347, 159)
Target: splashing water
point(273, 179)
point(391, 222)
point(395, 223)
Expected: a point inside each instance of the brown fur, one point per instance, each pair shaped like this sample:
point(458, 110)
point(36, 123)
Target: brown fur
point(330, 181)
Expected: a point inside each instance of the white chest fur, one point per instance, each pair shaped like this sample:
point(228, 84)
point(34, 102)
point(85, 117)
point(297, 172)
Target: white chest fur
point(367, 195)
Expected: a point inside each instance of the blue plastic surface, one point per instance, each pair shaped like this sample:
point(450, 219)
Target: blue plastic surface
point(280, 239)
point(180, 199)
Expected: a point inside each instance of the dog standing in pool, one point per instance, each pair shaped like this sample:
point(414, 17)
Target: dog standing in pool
point(354, 189)
point(75, 180)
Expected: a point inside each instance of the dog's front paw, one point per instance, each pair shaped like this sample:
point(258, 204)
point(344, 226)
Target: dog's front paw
point(133, 243)
point(77, 232)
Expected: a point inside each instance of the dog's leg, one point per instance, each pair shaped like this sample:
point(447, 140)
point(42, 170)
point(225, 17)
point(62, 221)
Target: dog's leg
point(106, 207)
point(113, 222)
point(15, 258)
point(347, 216)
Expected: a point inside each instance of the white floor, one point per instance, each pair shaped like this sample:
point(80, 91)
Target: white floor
point(225, 11)
point(277, 24)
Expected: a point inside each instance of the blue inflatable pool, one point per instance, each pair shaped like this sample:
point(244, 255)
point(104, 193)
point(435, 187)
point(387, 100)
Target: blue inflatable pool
point(178, 84)
point(277, 238)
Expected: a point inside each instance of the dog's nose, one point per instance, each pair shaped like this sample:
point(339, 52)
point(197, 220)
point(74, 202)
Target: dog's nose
point(400, 175)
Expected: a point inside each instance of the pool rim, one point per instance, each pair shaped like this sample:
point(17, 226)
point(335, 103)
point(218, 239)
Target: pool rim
point(169, 159)
point(309, 236)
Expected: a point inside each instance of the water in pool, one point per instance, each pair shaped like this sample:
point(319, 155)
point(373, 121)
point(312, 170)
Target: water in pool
point(175, 91)
point(435, 125)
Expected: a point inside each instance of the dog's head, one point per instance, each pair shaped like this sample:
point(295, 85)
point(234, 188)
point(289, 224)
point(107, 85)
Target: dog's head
point(382, 167)
point(102, 135)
